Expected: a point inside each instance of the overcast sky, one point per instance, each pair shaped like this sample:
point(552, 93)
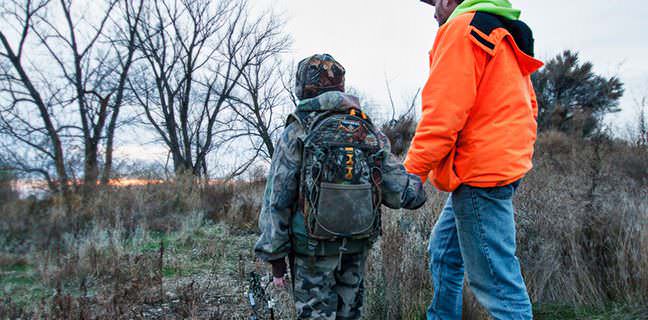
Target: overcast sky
point(389, 39)
point(381, 39)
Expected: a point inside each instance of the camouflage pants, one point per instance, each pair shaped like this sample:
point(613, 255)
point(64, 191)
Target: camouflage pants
point(324, 292)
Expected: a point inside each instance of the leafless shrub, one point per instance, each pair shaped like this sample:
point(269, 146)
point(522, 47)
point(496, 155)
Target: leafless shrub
point(237, 204)
point(632, 161)
point(400, 133)
point(400, 130)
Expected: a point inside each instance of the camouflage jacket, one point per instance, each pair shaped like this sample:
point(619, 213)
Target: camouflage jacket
point(399, 189)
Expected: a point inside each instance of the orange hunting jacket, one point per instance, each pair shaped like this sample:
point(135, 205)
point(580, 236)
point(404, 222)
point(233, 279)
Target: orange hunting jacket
point(479, 108)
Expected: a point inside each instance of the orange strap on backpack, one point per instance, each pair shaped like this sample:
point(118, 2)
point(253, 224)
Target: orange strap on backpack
point(353, 112)
point(349, 163)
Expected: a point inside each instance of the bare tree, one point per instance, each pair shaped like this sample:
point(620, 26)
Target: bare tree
point(124, 48)
point(20, 87)
point(264, 96)
point(74, 74)
point(197, 53)
point(287, 76)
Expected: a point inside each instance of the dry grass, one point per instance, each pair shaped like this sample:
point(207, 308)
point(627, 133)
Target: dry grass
point(138, 252)
point(183, 250)
point(235, 204)
point(584, 223)
point(582, 233)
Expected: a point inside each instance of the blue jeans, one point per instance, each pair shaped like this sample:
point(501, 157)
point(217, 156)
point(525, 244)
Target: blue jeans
point(476, 231)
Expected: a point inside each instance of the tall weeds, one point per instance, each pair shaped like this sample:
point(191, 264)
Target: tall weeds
point(153, 250)
point(124, 253)
point(582, 231)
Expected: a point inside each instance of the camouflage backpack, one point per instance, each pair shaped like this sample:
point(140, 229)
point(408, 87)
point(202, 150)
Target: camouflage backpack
point(340, 175)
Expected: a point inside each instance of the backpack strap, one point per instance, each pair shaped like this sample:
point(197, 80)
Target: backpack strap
point(297, 116)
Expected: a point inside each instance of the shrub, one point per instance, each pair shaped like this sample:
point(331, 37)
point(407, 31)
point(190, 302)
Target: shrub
point(238, 203)
point(400, 133)
point(7, 191)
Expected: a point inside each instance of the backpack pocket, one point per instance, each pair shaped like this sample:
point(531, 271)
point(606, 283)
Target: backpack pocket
point(344, 211)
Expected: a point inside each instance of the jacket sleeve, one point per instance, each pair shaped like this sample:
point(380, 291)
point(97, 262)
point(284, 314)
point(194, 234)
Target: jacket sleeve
point(399, 188)
point(456, 67)
point(280, 196)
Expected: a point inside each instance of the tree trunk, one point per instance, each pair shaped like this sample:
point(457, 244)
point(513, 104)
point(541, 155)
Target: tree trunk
point(110, 138)
point(91, 168)
point(52, 133)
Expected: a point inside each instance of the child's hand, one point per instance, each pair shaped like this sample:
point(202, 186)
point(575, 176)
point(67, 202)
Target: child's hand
point(279, 270)
point(279, 282)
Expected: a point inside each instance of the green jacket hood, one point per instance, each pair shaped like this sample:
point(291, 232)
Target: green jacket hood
point(499, 7)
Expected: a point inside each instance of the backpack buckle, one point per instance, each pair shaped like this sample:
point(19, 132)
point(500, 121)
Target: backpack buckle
point(349, 163)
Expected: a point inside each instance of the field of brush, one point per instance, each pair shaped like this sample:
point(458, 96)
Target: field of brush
point(184, 250)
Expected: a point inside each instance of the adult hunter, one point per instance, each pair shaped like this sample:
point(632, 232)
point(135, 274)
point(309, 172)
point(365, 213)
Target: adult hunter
point(331, 171)
point(475, 139)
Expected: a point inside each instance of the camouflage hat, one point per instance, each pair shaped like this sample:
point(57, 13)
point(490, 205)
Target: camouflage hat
point(318, 74)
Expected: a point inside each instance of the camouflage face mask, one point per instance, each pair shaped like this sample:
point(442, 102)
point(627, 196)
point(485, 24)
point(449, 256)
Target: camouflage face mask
point(318, 74)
